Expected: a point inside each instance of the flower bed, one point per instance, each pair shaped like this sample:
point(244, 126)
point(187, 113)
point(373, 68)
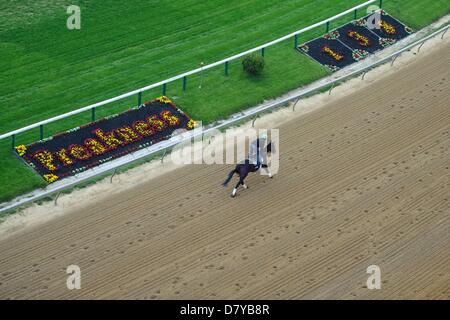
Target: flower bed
point(354, 41)
point(81, 148)
point(389, 27)
point(358, 37)
point(330, 53)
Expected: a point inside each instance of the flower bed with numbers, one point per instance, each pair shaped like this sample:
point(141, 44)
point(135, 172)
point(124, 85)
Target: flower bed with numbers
point(355, 41)
point(79, 149)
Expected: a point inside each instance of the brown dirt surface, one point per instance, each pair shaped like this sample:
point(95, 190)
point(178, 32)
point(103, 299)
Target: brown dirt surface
point(364, 180)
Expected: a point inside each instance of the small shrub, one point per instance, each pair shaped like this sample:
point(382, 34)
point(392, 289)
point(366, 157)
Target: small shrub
point(253, 64)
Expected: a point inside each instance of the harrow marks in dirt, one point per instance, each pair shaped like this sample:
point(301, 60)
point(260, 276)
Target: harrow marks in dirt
point(363, 181)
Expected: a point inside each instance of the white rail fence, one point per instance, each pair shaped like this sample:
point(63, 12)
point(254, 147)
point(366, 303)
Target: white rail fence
point(57, 189)
point(183, 76)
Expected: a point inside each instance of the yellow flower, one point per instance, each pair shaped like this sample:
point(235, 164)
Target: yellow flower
point(163, 99)
point(50, 177)
point(335, 55)
point(191, 124)
point(21, 150)
point(390, 29)
point(170, 118)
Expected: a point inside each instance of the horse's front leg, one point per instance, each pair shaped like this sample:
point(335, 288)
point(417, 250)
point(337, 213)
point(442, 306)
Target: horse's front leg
point(266, 167)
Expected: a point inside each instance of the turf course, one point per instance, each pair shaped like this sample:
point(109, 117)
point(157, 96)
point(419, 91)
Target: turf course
point(47, 69)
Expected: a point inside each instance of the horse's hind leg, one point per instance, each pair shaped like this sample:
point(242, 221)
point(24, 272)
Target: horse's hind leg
point(240, 182)
point(233, 193)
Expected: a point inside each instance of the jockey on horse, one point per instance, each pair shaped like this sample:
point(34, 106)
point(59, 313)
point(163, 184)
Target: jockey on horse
point(257, 160)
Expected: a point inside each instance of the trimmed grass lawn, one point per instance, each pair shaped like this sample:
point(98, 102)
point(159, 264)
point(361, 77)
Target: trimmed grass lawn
point(46, 69)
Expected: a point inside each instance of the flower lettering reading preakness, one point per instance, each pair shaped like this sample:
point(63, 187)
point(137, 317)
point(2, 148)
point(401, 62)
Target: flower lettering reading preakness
point(92, 144)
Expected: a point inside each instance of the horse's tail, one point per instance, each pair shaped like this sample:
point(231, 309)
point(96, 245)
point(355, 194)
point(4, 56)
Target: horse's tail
point(230, 175)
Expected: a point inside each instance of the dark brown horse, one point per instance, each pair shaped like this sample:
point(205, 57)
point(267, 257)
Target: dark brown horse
point(244, 168)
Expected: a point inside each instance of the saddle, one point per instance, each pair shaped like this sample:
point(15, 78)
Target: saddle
point(251, 166)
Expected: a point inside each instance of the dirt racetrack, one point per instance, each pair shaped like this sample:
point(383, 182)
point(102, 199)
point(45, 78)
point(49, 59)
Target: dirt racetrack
point(362, 181)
